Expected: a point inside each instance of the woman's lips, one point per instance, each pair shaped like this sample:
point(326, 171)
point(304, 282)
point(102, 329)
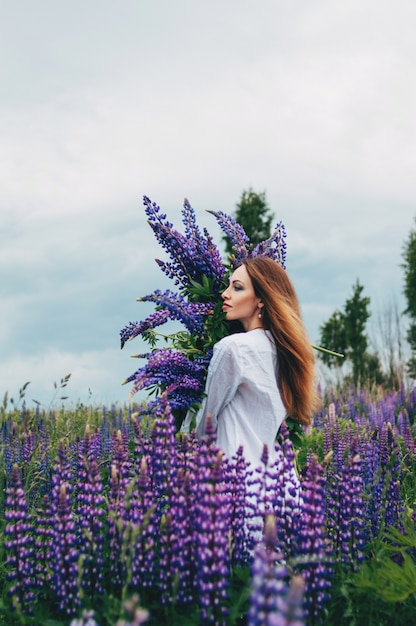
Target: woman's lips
point(226, 306)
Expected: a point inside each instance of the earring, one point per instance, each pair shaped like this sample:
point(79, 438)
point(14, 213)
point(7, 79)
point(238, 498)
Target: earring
point(260, 314)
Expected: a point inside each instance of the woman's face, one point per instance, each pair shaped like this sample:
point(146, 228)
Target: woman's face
point(240, 301)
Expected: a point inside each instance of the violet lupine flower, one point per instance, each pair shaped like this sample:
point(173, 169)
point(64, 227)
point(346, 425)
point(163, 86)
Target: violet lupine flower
point(261, 497)
point(238, 469)
point(175, 373)
point(65, 555)
point(117, 522)
point(162, 473)
point(19, 545)
point(28, 446)
point(273, 247)
point(142, 529)
point(178, 567)
point(134, 329)
point(212, 527)
point(61, 473)
point(235, 232)
point(90, 511)
point(347, 512)
point(164, 453)
point(314, 560)
point(287, 502)
point(43, 533)
point(386, 503)
point(191, 314)
point(192, 258)
point(269, 580)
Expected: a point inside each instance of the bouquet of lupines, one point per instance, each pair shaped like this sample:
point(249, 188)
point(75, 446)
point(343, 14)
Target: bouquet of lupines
point(199, 275)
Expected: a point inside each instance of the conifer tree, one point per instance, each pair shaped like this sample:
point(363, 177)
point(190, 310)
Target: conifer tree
point(409, 266)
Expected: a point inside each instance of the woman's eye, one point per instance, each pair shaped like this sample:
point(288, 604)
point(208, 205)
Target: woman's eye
point(238, 288)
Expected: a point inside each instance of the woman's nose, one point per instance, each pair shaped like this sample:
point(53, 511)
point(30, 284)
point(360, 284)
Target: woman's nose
point(224, 294)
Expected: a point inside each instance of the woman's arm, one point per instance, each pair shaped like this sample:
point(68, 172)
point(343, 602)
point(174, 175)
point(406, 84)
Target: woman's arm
point(223, 379)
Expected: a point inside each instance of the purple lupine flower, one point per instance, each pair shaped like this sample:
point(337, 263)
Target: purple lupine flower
point(191, 314)
point(134, 329)
point(19, 545)
point(61, 473)
point(212, 526)
point(162, 473)
point(287, 501)
point(386, 505)
point(90, 511)
point(237, 485)
point(64, 557)
point(43, 533)
point(191, 258)
point(175, 373)
point(235, 232)
point(116, 522)
point(164, 453)
point(314, 560)
point(273, 247)
point(28, 446)
point(269, 581)
point(346, 512)
point(142, 529)
point(178, 546)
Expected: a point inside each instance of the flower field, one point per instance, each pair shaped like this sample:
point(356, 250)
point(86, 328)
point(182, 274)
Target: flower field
point(111, 517)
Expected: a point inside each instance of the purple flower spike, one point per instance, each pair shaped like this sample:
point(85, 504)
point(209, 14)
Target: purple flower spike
point(134, 329)
point(236, 233)
point(212, 527)
point(274, 247)
point(314, 553)
point(90, 509)
point(269, 584)
point(182, 379)
point(65, 555)
point(191, 314)
point(192, 257)
point(18, 535)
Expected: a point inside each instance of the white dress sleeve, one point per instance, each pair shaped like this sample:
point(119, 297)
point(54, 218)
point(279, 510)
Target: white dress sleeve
point(223, 378)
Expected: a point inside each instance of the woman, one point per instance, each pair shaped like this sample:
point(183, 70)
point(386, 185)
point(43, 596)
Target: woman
point(257, 378)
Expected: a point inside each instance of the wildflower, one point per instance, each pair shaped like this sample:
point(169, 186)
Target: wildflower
point(212, 527)
point(269, 583)
point(182, 379)
point(43, 543)
point(313, 558)
point(274, 247)
point(90, 510)
point(191, 258)
point(235, 232)
point(65, 555)
point(19, 545)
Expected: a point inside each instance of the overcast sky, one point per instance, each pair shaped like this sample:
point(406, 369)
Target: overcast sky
point(311, 101)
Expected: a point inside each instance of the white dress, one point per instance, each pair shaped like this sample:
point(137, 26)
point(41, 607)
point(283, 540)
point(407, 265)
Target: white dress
point(242, 395)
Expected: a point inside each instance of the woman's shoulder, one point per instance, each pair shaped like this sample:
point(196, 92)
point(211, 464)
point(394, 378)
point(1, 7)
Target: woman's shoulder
point(251, 339)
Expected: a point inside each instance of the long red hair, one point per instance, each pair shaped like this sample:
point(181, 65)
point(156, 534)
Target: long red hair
point(282, 317)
